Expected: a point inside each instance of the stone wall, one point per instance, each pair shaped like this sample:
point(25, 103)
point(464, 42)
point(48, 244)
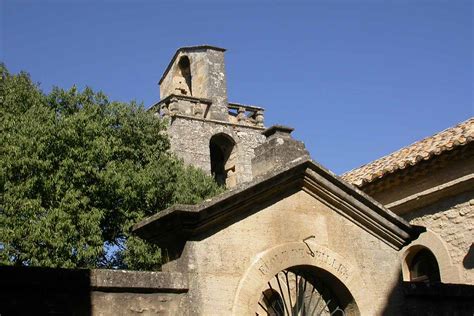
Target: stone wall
point(194, 99)
point(208, 78)
point(414, 187)
point(423, 299)
point(190, 139)
point(223, 264)
point(45, 291)
point(277, 151)
point(452, 219)
point(436, 194)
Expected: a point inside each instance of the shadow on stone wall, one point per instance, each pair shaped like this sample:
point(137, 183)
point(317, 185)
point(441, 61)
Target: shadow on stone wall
point(51, 291)
point(44, 291)
point(429, 299)
point(438, 299)
point(468, 261)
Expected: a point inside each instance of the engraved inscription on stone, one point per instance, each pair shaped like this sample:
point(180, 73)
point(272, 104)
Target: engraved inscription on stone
point(320, 255)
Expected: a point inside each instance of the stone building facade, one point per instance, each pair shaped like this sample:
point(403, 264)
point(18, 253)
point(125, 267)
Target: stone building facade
point(291, 218)
point(288, 237)
point(296, 225)
point(431, 184)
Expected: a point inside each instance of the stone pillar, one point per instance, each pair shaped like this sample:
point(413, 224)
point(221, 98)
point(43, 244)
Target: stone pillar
point(278, 150)
point(216, 85)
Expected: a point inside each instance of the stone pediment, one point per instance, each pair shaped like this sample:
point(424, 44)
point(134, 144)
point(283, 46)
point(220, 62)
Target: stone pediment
point(177, 224)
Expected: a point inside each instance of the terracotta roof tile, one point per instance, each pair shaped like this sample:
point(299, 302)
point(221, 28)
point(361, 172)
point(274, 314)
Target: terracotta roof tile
point(450, 138)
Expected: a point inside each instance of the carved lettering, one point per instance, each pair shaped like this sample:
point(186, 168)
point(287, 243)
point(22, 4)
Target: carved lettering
point(263, 268)
point(326, 259)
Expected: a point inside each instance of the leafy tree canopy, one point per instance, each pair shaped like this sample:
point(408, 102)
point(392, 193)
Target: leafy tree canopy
point(77, 171)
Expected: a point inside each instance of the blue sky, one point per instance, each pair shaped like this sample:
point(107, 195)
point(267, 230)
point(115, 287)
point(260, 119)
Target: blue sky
point(356, 79)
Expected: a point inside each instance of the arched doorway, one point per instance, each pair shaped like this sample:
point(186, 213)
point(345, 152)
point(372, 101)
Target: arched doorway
point(305, 290)
point(222, 151)
point(331, 275)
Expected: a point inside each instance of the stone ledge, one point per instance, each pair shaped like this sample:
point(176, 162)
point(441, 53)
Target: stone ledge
point(181, 97)
point(278, 130)
point(72, 280)
point(140, 280)
point(431, 195)
point(215, 121)
point(233, 105)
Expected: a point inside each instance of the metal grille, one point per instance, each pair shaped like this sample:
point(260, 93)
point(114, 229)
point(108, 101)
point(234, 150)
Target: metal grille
point(297, 293)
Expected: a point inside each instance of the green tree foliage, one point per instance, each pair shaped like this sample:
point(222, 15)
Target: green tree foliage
point(77, 171)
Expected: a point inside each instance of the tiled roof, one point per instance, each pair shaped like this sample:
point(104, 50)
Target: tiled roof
point(424, 149)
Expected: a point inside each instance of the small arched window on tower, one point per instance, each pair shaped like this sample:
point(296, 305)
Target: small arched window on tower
point(222, 152)
point(423, 267)
point(183, 79)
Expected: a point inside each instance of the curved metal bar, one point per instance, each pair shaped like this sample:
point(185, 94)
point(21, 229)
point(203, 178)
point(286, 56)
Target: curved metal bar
point(309, 296)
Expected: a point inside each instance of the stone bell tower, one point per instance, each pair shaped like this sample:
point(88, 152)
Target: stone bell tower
point(198, 72)
point(205, 129)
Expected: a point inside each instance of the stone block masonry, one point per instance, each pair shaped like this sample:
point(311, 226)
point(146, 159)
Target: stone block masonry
point(52, 291)
point(193, 148)
point(453, 220)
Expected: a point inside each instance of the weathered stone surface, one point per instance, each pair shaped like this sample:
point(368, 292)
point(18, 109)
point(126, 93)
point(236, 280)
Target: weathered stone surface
point(199, 111)
point(220, 265)
point(146, 304)
point(279, 221)
point(190, 140)
point(452, 219)
point(277, 151)
point(438, 299)
point(47, 291)
point(208, 78)
point(437, 194)
point(138, 280)
point(285, 212)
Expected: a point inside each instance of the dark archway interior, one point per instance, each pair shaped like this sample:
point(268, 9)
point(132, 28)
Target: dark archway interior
point(424, 267)
point(220, 147)
point(274, 302)
point(184, 65)
point(306, 290)
point(332, 289)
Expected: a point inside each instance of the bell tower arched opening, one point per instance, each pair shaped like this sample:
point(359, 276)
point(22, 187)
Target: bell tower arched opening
point(222, 151)
point(184, 79)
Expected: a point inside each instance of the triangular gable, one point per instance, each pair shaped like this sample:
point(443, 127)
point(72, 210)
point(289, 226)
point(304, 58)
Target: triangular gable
point(179, 223)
